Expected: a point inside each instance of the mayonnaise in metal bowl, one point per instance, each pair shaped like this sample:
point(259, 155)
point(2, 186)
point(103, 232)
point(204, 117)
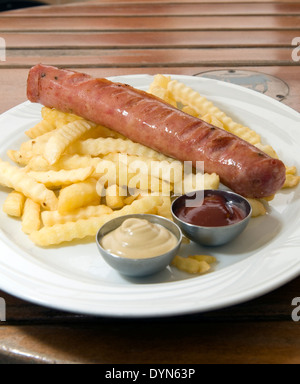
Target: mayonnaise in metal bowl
point(140, 244)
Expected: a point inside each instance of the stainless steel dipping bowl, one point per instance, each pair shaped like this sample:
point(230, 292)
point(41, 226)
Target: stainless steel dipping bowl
point(139, 267)
point(213, 236)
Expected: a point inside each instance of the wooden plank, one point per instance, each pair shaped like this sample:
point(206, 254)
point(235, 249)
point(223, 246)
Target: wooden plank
point(123, 342)
point(108, 24)
point(184, 39)
point(131, 2)
point(161, 9)
point(149, 57)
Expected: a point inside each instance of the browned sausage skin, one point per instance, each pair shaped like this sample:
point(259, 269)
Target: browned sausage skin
point(148, 120)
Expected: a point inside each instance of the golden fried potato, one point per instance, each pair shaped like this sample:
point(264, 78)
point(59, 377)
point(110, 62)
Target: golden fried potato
point(77, 195)
point(14, 204)
point(63, 137)
point(80, 229)
point(54, 179)
point(31, 219)
point(50, 218)
point(190, 265)
point(17, 179)
point(113, 198)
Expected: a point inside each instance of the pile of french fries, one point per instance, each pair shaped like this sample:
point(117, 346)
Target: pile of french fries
point(71, 176)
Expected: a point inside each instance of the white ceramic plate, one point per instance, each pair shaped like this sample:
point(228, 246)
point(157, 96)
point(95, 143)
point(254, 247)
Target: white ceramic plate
point(74, 277)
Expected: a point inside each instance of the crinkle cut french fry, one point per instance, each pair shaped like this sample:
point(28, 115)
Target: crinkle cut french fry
point(196, 181)
point(80, 229)
point(161, 81)
point(113, 198)
point(101, 131)
point(50, 218)
point(76, 161)
point(159, 88)
point(53, 179)
point(189, 110)
point(190, 265)
point(258, 208)
point(211, 119)
point(57, 117)
point(129, 199)
point(17, 179)
point(111, 172)
point(163, 94)
point(67, 162)
point(291, 181)
point(18, 158)
point(169, 171)
point(267, 149)
point(31, 220)
point(14, 204)
point(29, 149)
point(165, 209)
point(143, 182)
point(47, 124)
point(77, 195)
point(104, 146)
point(291, 170)
point(63, 137)
point(39, 164)
point(188, 96)
point(211, 181)
point(40, 129)
point(207, 258)
point(35, 146)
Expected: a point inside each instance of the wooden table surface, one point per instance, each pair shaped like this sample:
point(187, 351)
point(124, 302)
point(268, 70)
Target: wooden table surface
point(192, 37)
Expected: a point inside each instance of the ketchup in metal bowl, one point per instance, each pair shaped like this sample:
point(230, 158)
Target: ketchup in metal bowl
point(212, 211)
point(211, 217)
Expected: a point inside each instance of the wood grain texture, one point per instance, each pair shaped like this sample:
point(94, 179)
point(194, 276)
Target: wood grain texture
point(165, 9)
point(172, 342)
point(170, 23)
point(149, 39)
point(145, 58)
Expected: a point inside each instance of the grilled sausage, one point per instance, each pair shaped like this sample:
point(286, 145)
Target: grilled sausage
point(147, 120)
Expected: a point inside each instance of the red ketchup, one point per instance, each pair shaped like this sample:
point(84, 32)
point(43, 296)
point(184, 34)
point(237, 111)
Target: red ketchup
point(213, 211)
